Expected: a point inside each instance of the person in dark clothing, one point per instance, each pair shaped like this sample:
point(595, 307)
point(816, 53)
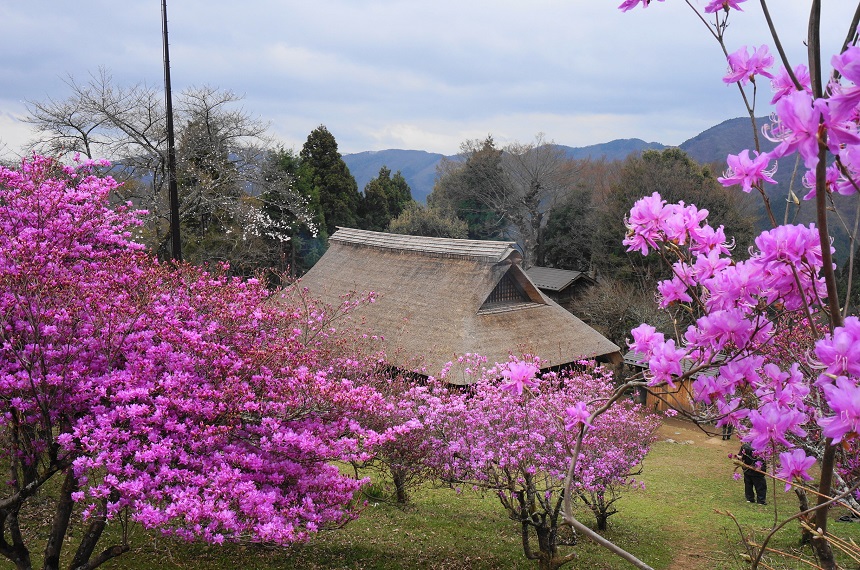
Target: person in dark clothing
point(755, 484)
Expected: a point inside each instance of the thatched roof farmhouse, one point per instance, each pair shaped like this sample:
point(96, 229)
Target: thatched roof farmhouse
point(441, 298)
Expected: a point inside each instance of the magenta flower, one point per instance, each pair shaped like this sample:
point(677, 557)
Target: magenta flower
point(644, 337)
point(844, 399)
point(725, 326)
point(577, 414)
point(520, 375)
point(630, 4)
point(645, 224)
point(672, 291)
point(747, 171)
point(732, 411)
point(794, 464)
point(771, 423)
point(783, 85)
point(717, 5)
point(740, 372)
point(792, 244)
point(743, 67)
point(844, 100)
point(665, 362)
point(707, 239)
point(709, 263)
point(840, 351)
point(796, 129)
point(833, 181)
point(736, 285)
point(682, 222)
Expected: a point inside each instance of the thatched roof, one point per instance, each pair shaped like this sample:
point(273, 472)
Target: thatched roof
point(442, 298)
point(551, 279)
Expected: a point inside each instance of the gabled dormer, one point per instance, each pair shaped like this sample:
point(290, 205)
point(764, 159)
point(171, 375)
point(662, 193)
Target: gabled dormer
point(513, 291)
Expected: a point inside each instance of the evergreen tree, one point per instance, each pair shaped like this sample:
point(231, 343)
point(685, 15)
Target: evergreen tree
point(330, 179)
point(676, 177)
point(569, 231)
point(385, 197)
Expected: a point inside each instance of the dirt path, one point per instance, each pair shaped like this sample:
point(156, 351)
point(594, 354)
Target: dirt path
point(694, 552)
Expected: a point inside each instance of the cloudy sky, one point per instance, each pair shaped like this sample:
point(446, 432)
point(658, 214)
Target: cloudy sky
point(402, 73)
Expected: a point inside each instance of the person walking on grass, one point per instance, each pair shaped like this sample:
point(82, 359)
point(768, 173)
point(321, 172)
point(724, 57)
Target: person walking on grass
point(755, 484)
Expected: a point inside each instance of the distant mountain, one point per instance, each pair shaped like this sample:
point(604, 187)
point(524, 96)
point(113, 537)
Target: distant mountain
point(417, 167)
point(619, 149)
point(729, 137)
point(711, 146)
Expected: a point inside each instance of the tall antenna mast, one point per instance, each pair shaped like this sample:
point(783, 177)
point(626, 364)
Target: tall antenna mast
point(176, 250)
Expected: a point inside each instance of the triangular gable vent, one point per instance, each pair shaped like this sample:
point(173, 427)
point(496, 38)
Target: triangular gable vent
point(508, 294)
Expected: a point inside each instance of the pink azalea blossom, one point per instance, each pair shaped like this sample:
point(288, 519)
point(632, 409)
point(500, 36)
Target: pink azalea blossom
point(707, 265)
point(844, 398)
point(645, 223)
point(717, 5)
point(665, 363)
point(575, 415)
point(520, 375)
point(672, 290)
point(796, 128)
point(845, 99)
point(794, 464)
point(630, 4)
point(746, 171)
point(833, 180)
point(707, 239)
point(644, 338)
point(682, 221)
point(783, 85)
point(792, 244)
point(743, 67)
point(771, 423)
point(732, 412)
point(839, 352)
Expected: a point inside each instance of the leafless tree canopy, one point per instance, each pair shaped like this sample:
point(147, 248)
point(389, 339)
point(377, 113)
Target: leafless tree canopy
point(220, 150)
point(511, 190)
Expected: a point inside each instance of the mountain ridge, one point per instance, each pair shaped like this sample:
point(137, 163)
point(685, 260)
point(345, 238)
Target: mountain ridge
point(418, 167)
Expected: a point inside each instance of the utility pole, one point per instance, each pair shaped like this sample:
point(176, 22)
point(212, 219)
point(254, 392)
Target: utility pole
point(176, 242)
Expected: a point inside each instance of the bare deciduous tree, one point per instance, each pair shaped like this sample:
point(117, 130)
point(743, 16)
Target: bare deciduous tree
point(220, 151)
point(506, 192)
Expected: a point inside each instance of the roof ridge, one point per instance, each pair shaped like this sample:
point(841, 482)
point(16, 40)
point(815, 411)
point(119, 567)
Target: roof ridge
point(482, 249)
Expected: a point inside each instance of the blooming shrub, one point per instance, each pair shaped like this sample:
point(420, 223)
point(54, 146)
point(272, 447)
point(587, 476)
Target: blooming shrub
point(183, 399)
point(515, 437)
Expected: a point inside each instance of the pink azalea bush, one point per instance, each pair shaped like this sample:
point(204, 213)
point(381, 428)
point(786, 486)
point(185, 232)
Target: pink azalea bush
point(518, 444)
point(411, 412)
point(187, 400)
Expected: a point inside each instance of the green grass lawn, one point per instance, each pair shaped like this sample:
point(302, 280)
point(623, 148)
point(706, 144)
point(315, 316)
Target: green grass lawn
point(672, 524)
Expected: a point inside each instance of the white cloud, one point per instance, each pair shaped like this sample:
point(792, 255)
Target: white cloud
point(13, 133)
point(383, 73)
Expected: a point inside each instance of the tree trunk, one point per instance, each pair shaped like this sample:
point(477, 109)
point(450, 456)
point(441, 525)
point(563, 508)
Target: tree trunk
point(821, 545)
point(63, 513)
point(399, 478)
point(601, 517)
point(17, 552)
point(805, 535)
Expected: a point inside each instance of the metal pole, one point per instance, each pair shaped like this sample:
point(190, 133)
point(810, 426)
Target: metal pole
point(176, 250)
